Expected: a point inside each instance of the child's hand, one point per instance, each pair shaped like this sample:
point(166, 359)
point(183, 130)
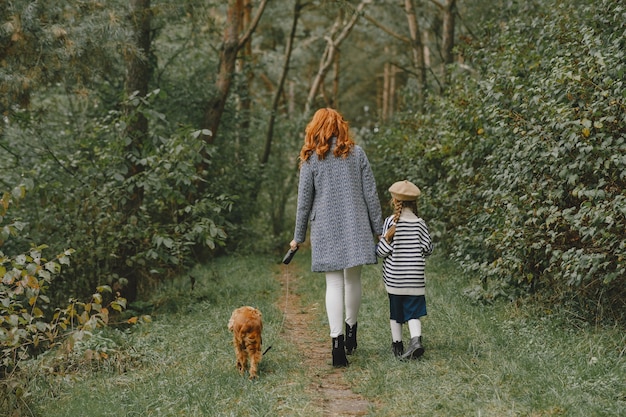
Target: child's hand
point(390, 232)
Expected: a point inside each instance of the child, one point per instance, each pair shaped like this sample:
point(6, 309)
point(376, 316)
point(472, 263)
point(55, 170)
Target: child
point(404, 245)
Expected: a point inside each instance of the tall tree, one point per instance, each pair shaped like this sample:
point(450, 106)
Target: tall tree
point(138, 70)
point(417, 48)
point(338, 33)
point(281, 84)
point(228, 56)
point(449, 14)
point(243, 66)
point(448, 10)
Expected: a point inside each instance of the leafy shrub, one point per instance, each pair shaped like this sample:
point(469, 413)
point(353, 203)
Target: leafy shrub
point(82, 195)
point(556, 194)
point(24, 328)
point(524, 163)
point(27, 323)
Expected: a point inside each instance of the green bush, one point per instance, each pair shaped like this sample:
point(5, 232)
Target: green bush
point(523, 164)
point(28, 322)
point(82, 193)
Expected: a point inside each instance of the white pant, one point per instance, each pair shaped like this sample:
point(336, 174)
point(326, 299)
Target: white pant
point(343, 288)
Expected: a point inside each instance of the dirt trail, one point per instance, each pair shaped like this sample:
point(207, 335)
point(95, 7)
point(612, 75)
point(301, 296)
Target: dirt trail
point(329, 389)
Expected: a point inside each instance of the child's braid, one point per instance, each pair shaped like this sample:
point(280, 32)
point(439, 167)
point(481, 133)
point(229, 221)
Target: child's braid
point(397, 209)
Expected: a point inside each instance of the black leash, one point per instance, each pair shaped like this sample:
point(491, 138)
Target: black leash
point(286, 261)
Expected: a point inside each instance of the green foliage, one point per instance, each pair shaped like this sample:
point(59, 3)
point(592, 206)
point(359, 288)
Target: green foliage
point(25, 280)
point(134, 216)
point(28, 324)
point(179, 212)
point(49, 42)
point(520, 161)
point(524, 165)
point(85, 198)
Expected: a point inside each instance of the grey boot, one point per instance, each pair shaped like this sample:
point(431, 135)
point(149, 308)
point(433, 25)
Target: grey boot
point(339, 352)
point(350, 338)
point(415, 349)
point(398, 348)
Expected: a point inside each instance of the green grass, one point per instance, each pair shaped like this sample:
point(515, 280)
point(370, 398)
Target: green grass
point(500, 360)
point(186, 365)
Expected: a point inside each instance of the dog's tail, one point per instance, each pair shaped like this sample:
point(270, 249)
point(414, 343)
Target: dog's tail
point(251, 341)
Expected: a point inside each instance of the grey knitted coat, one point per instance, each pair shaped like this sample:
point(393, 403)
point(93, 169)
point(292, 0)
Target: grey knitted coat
point(338, 197)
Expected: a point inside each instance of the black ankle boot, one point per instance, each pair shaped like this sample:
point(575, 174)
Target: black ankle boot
point(415, 349)
point(398, 348)
point(350, 338)
point(339, 352)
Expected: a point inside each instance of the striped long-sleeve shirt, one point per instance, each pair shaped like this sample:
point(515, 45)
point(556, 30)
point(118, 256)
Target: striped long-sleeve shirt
point(404, 259)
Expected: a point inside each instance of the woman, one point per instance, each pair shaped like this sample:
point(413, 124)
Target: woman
point(337, 195)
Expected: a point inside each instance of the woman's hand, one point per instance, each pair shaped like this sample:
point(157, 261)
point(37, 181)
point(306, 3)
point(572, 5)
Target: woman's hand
point(294, 245)
point(390, 233)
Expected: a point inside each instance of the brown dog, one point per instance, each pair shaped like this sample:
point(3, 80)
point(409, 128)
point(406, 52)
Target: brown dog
point(246, 325)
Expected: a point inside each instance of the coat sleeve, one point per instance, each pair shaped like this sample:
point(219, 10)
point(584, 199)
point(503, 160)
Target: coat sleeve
point(384, 248)
point(427, 243)
point(306, 193)
point(371, 195)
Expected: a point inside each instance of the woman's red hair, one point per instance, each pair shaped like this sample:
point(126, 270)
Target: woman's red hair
point(325, 124)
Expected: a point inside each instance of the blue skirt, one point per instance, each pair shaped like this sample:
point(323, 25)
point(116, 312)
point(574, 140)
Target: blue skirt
point(403, 308)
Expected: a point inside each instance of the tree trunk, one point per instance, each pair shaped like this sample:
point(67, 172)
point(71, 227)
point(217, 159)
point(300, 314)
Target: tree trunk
point(385, 104)
point(392, 90)
point(328, 56)
point(281, 84)
point(138, 71)
point(246, 59)
point(228, 57)
point(449, 15)
point(418, 49)
point(334, 98)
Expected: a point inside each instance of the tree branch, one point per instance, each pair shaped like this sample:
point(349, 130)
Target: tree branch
point(386, 29)
point(329, 53)
point(63, 167)
point(253, 24)
point(288, 50)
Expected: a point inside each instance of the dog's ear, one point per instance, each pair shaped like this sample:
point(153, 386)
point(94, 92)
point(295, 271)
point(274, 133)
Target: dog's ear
point(231, 323)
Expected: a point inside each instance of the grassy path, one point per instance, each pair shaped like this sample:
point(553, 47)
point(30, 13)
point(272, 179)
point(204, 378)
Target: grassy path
point(331, 393)
point(501, 360)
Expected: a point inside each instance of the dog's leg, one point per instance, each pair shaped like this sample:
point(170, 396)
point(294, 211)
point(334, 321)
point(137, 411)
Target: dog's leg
point(254, 364)
point(254, 350)
point(246, 356)
point(241, 354)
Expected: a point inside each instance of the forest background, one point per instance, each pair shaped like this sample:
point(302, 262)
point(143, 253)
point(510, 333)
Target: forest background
point(141, 138)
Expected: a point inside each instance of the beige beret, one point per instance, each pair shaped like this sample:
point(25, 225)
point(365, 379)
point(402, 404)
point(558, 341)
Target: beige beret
point(404, 191)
